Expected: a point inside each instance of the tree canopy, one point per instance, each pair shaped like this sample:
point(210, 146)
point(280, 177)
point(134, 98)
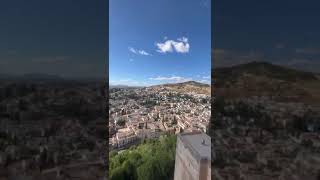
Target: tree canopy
point(154, 159)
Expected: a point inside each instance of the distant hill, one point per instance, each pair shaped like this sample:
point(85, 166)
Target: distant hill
point(262, 78)
point(189, 86)
point(263, 69)
point(188, 83)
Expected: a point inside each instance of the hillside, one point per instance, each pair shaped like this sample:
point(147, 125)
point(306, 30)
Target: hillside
point(189, 86)
point(265, 79)
point(263, 69)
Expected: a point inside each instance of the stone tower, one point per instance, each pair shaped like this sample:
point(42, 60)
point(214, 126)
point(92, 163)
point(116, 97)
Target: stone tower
point(193, 157)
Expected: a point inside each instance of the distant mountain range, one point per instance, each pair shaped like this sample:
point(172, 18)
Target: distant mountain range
point(262, 78)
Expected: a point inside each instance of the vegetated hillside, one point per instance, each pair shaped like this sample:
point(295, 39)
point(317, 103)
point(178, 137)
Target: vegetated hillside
point(190, 86)
point(153, 159)
point(261, 78)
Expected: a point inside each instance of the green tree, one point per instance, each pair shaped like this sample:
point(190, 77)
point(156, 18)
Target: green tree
point(117, 174)
point(153, 159)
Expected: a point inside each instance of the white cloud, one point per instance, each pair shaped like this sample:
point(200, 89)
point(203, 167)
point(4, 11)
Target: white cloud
point(165, 47)
point(183, 39)
point(180, 46)
point(132, 50)
point(141, 52)
point(205, 81)
point(171, 79)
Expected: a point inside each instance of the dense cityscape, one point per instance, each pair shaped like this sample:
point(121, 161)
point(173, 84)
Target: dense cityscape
point(258, 138)
point(262, 133)
point(52, 129)
point(156, 132)
point(146, 113)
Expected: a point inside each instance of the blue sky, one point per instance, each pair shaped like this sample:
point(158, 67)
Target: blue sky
point(280, 32)
point(159, 41)
point(62, 37)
